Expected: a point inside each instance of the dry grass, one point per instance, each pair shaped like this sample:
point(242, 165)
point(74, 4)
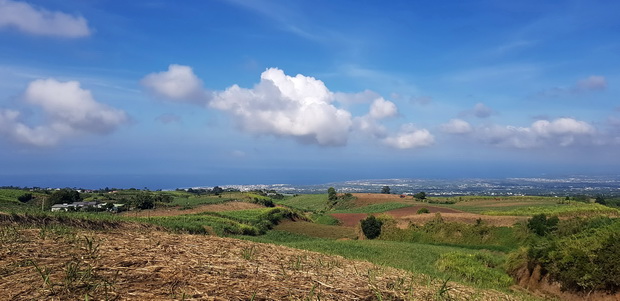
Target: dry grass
point(467, 218)
point(404, 216)
point(145, 264)
point(228, 206)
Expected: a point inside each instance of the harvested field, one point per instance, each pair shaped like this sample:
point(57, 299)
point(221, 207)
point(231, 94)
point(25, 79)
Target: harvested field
point(365, 199)
point(123, 264)
point(413, 210)
point(462, 217)
point(228, 206)
point(409, 214)
point(349, 219)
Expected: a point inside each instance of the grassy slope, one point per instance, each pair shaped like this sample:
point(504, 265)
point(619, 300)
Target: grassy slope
point(374, 208)
point(417, 258)
point(522, 206)
point(307, 202)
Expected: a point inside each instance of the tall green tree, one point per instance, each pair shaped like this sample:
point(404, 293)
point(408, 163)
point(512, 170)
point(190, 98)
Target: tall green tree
point(331, 194)
point(420, 195)
point(385, 189)
point(65, 195)
point(143, 200)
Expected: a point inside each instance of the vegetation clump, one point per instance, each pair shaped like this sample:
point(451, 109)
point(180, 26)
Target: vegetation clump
point(541, 225)
point(371, 227)
point(583, 255)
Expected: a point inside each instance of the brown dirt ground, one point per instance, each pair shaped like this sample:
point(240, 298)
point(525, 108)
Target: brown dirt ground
point(349, 219)
point(364, 199)
point(228, 206)
point(406, 215)
point(145, 264)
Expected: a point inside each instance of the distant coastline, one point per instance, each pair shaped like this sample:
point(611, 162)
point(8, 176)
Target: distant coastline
point(549, 186)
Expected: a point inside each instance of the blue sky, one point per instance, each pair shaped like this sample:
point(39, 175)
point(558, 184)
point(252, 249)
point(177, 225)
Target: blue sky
point(184, 93)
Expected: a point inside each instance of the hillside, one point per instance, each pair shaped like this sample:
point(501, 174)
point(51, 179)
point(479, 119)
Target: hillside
point(128, 261)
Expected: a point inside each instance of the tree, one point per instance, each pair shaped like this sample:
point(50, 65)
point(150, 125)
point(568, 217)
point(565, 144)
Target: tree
point(600, 200)
point(65, 195)
point(144, 200)
point(540, 225)
point(25, 197)
point(331, 194)
point(217, 190)
point(385, 189)
point(371, 227)
point(420, 195)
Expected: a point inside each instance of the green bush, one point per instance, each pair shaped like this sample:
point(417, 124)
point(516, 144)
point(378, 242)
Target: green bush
point(581, 261)
point(263, 202)
point(371, 227)
point(540, 225)
point(423, 210)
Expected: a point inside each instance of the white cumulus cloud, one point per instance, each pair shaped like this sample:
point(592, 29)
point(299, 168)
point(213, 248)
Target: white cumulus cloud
point(34, 20)
point(381, 108)
point(68, 110)
point(541, 133)
point(410, 137)
point(178, 83)
point(456, 126)
point(299, 107)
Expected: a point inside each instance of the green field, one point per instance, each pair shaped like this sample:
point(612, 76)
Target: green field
point(520, 205)
point(317, 230)
point(187, 200)
point(306, 202)
point(374, 208)
point(573, 209)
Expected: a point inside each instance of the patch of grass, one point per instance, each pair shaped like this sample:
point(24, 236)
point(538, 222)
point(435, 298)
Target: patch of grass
point(318, 230)
point(306, 202)
point(202, 224)
point(572, 209)
point(414, 257)
point(14, 206)
point(438, 232)
point(374, 208)
point(479, 204)
point(483, 268)
point(191, 201)
point(325, 219)
point(13, 194)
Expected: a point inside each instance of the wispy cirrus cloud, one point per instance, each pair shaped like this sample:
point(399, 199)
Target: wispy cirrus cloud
point(479, 110)
point(592, 83)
